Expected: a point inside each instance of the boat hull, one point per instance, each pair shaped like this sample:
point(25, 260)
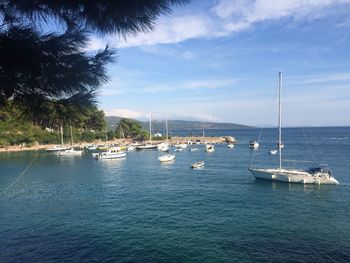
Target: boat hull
point(290, 176)
point(70, 153)
point(146, 147)
point(111, 156)
point(166, 158)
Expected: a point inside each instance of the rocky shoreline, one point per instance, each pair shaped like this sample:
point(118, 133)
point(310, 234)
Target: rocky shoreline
point(173, 140)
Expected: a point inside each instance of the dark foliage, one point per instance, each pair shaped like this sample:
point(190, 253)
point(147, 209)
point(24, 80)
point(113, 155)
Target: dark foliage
point(103, 16)
point(37, 70)
point(51, 70)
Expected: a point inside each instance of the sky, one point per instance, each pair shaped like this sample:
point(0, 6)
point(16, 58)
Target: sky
point(219, 61)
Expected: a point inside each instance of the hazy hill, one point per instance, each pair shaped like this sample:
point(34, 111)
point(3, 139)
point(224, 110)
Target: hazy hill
point(112, 121)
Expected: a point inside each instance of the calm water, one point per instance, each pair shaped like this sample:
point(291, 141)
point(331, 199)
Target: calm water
point(138, 210)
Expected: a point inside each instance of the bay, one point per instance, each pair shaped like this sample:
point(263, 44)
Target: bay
point(77, 209)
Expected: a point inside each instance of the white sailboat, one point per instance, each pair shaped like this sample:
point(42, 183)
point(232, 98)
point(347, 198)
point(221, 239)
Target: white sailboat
point(71, 151)
point(58, 148)
point(165, 148)
point(315, 175)
point(148, 146)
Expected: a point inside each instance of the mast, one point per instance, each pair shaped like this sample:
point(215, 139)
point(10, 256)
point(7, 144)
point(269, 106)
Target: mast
point(280, 119)
point(150, 126)
point(166, 130)
point(203, 130)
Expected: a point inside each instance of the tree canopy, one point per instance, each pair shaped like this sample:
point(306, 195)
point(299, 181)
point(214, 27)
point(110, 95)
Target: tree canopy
point(128, 128)
point(40, 70)
point(19, 128)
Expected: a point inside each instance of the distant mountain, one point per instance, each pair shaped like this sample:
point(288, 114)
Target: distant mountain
point(112, 121)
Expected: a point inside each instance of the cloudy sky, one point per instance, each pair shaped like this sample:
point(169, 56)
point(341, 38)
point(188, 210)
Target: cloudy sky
point(218, 61)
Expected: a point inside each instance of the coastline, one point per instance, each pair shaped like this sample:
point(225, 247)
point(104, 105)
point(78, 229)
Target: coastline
point(173, 140)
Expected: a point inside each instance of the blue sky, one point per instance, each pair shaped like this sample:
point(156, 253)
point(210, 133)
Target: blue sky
point(218, 61)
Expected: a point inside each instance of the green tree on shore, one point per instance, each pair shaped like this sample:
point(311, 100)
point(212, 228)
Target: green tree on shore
point(128, 128)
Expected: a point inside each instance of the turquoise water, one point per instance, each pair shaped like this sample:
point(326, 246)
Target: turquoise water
point(138, 210)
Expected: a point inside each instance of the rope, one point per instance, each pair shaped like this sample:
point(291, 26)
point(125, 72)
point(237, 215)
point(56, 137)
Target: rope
point(324, 156)
point(22, 173)
point(308, 145)
point(255, 150)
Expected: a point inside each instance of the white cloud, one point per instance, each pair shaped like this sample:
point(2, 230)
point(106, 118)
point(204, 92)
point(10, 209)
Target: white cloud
point(127, 113)
point(225, 18)
point(170, 30)
point(174, 115)
point(191, 85)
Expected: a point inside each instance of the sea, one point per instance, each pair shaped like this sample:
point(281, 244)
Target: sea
point(136, 209)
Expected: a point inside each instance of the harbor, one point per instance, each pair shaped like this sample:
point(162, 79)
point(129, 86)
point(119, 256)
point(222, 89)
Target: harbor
point(118, 142)
point(139, 209)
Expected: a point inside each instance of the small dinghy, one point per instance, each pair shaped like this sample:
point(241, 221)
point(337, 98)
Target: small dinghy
point(209, 148)
point(273, 152)
point(193, 150)
point(197, 164)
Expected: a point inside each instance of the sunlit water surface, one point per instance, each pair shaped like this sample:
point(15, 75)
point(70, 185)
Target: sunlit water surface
point(77, 209)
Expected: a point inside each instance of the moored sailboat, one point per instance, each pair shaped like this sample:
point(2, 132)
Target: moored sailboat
point(71, 151)
point(315, 175)
point(149, 145)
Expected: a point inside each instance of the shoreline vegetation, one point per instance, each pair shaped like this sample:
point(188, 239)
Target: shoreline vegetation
point(127, 141)
point(20, 133)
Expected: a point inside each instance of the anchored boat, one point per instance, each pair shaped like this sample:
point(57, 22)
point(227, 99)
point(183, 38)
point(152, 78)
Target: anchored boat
point(315, 175)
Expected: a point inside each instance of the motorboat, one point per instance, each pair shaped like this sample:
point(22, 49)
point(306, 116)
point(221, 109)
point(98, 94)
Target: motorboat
point(179, 149)
point(183, 145)
point(193, 149)
point(209, 148)
point(253, 145)
point(166, 158)
point(197, 164)
point(231, 146)
point(92, 147)
point(111, 153)
point(131, 148)
point(314, 175)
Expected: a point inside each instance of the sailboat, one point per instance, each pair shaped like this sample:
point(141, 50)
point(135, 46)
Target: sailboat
point(57, 148)
point(71, 151)
point(314, 175)
point(148, 146)
point(165, 148)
